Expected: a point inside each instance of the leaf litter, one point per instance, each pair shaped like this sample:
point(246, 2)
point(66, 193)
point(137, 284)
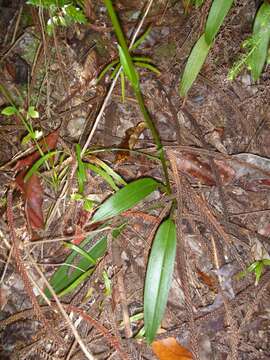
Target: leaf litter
point(222, 150)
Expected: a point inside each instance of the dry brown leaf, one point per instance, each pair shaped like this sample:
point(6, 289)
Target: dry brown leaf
point(169, 349)
point(129, 141)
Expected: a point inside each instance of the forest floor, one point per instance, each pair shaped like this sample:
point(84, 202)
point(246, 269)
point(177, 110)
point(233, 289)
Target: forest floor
point(217, 143)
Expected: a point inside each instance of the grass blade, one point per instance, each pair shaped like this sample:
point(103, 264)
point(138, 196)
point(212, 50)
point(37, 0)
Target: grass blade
point(81, 173)
point(217, 13)
point(194, 64)
point(141, 39)
point(148, 66)
point(158, 277)
point(38, 164)
point(128, 68)
point(125, 198)
point(261, 31)
point(106, 69)
point(103, 174)
point(117, 178)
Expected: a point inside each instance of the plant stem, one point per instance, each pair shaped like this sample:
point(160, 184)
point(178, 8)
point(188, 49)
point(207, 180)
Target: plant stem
point(156, 137)
point(137, 91)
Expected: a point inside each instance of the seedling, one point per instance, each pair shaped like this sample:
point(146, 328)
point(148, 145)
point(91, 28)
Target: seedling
point(257, 268)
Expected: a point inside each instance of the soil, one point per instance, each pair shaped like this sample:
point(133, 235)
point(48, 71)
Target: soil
point(218, 139)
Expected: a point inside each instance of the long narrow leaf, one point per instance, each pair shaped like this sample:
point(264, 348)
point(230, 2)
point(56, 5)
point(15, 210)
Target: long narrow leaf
point(106, 69)
point(158, 277)
point(119, 180)
point(129, 68)
point(141, 39)
point(148, 66)
point(125, 198)
point(194, 64)
point(218, 11)
point(81, 173)
point(261, 32)
point(63, 278)
point(103, 174)
point(38, 164)
point(82, 252)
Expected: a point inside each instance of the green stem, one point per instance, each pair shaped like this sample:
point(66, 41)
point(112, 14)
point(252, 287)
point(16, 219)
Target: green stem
point(155, 136)
point(137, 91)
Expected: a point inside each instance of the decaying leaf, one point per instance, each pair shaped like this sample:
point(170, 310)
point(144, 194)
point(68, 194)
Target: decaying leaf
point(33, 199)
point(169, 349)
point(129, 141)
point(31, 189)
point(200, 170)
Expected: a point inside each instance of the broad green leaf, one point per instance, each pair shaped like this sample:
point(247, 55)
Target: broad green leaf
point(9, 111)
point(194, 64)
point(72, 286)
point(103, 174)
point(62, 279)
point(82, 252)
point(129, 68)
point(32, 113)
point(217, 13)
point(38, 164)
point(125, 198)
point(158, 277)
point(261, 32)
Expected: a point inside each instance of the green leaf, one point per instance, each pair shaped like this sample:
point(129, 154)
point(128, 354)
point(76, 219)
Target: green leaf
point(253, 266)
point(81, 173)
point(158, 277)
point(125, 198)
point(115, 71)
point(261, 31)
point(123, 87)
point(38, 164)
point(82, 252)
point(128, 68)
point(266, 262)
point(217, 13)
point(141, 39)
point(32, 113)
point(88, 204)
point(147, 66)
point(72, 286)
point(194, 65)
point(106, 69)
point(103, 174)
point(119, 180)
point(9, 111)
point(61, 279)
point(258, 272)
point(107, 283)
